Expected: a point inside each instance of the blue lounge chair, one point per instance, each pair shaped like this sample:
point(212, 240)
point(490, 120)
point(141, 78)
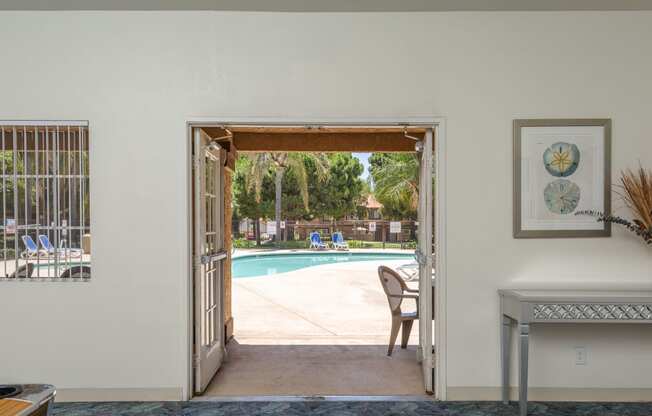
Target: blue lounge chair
point(338, 241)
point(31, 249)
point(315, 241)
point(51, 250)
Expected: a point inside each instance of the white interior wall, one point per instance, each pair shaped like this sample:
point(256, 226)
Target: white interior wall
point(139, 76)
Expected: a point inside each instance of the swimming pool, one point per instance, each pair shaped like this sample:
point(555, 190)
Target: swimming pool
point(252, 265)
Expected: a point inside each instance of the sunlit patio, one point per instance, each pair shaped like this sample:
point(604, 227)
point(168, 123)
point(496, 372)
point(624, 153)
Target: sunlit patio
point(329, 304)
point(332, 320)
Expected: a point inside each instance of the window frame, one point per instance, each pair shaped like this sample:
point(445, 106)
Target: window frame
point(58, 175)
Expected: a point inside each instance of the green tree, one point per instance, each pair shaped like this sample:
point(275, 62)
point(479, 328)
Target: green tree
point(396, 183)
point(340, 194)
point(244, 199)
point(361, 210)
point(279, 163)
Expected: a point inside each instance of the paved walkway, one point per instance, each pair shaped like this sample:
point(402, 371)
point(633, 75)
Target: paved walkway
point(321, 330)
point(317, 370)
point(333, 304)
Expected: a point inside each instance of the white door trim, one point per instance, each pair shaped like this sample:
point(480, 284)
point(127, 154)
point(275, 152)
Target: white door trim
point(425, 217)
point(441, 343)
point(439, 124)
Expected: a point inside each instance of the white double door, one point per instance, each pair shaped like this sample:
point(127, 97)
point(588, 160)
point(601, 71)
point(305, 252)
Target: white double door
point(208, 259)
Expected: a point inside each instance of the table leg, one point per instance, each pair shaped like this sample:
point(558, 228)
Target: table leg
point(524, 333)
point(505, 347)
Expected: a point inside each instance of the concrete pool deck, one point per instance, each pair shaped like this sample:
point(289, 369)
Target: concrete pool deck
point(41, 264)
point(321, 330)
point(340, 303)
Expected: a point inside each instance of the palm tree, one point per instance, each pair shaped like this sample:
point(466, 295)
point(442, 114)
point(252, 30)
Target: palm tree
point(396, 179)
point(279, 163)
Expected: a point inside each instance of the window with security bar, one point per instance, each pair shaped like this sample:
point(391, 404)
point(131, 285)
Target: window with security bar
point(45, 205)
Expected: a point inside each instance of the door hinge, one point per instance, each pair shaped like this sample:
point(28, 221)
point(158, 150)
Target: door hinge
point(195, 361)
point(433, 358)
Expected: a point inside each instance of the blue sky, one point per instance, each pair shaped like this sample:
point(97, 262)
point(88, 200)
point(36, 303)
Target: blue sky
point(364, 158)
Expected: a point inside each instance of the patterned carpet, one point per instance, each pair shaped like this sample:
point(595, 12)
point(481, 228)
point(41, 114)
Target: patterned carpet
point(346, 408)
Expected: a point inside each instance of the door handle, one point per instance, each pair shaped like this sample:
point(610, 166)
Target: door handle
point(209, 258)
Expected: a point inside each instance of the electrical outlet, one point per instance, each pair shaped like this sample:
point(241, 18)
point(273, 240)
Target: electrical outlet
point(580, 356)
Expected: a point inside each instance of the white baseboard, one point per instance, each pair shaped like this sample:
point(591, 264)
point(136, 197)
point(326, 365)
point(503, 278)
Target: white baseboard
point(119, 394)
point(553, 394)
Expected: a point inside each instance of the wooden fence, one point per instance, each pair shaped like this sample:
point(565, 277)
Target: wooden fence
point(351, 229)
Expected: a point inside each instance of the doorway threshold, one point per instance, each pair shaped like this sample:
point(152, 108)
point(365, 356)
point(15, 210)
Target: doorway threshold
point(316, 398)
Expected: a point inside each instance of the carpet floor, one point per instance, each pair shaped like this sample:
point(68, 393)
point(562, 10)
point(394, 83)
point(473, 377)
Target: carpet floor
point(346, 408)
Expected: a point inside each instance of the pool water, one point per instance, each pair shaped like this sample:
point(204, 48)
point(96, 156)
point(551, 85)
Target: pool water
point(270, 264)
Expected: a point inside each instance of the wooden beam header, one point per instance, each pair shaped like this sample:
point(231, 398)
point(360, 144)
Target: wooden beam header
point(325, 129)
point(323, 142)
point(320, 139)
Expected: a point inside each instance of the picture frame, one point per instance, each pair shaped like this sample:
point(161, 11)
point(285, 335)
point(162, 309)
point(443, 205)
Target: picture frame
point(561, 167)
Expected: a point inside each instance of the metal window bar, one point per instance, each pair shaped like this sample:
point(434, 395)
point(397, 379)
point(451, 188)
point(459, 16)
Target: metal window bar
point(15, 182)
point(25, 192)
point(38, 197)
point(44, 177)
point(66, 245)
point(82, 190)
point(57, 212)
point(4, 205)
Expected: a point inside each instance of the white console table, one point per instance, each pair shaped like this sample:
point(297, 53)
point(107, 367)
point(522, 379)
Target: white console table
point(534, 307)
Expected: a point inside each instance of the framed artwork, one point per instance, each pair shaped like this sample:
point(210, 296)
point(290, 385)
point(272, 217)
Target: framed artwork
point(561, 167)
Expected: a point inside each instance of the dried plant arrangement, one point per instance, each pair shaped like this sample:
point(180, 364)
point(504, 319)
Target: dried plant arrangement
point(635, 190)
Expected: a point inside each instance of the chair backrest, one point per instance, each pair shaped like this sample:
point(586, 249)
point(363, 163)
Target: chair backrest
point(77, 272)
point(30, 245)
point(337, 237)
point(45, 242)
point(314, 237)
point(392, 285)
point(25, 271)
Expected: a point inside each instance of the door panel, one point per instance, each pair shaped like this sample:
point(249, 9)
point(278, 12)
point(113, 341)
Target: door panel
point(425, 259)
point(208, 259)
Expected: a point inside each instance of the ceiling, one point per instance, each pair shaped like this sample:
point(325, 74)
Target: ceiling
point(329, 5)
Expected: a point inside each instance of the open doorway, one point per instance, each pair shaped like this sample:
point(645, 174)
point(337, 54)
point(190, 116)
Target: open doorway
point(308, 331)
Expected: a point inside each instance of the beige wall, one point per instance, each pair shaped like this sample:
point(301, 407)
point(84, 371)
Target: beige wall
point(138, 77)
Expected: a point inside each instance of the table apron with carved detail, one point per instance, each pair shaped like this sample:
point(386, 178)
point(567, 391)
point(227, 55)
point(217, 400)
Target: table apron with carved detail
point(598, 312)
point(533, 307)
